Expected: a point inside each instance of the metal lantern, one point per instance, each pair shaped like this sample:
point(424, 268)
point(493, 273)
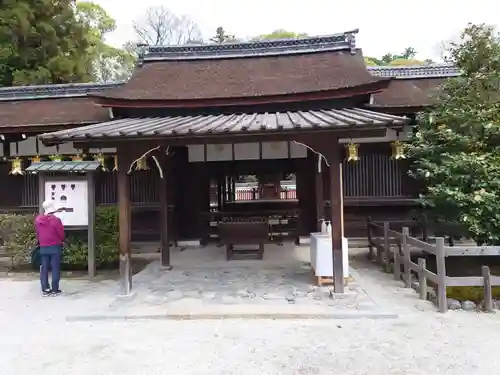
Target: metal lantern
point(115, 159)
point(102, 161)
point(77, 157)
point(398, 150)
point(36, 159)
point(141, 164)
point(352, 151)
point(16, 167)
point(55, 158)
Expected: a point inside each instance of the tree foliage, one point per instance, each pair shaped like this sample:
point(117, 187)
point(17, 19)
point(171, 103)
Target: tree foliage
point(221, 36)
point(56, 41)
point(41, 42)
point(405, 58)
point(109, 64)
point(280, 34)
point(456, 149)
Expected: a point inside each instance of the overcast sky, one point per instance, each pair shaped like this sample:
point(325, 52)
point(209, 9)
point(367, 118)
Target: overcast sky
point(385, 25)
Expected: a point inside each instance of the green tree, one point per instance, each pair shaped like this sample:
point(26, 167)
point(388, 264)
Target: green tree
point(41, 42)
point(222, 37)
point(48, 42)
point(407, 57)
point(280, 34)
point(108, 64)
point(456, 149)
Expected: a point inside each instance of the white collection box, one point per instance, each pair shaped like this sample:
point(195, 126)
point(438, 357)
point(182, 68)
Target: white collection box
point(321, 255)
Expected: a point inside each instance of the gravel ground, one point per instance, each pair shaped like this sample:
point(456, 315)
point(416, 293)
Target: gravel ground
point(35, 338)
point(420, 344)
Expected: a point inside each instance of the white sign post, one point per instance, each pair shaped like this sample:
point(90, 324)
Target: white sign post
point(74, 198)
point(71, 198)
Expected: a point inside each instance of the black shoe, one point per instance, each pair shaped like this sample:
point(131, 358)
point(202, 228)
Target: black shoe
point(46, 293)
point(55, 292)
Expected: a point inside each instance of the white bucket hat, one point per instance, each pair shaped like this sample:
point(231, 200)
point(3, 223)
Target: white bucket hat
point(48, 207)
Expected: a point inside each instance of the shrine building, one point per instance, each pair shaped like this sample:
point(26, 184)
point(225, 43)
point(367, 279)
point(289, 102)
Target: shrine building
point(283, 132)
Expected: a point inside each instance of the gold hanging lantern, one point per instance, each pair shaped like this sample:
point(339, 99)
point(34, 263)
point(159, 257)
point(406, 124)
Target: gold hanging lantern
point(398, 150)
point(115, 159)
point(77, 157)
point(102, 161)
point(36, 159)
point(141, 164)
point(16, 167)
point(352, 151)
point(55, 158)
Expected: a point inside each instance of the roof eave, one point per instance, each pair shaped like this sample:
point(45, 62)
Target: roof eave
point(377, 85)
point(218, 137)
point(36, 128)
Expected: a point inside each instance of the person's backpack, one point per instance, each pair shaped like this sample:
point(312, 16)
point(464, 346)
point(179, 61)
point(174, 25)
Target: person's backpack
point(35, 257)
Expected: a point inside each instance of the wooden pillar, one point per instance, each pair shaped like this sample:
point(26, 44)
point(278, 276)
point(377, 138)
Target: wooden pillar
point(337, 215)
point(320, 200)
point(331, 182)
point(164, 202)
point(124, 220)
point(91, 263)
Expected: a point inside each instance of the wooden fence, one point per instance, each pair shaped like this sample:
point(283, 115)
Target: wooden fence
point(395, 248)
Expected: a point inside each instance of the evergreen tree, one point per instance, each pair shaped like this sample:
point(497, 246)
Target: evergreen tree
point(55, 41)
point(456, 148)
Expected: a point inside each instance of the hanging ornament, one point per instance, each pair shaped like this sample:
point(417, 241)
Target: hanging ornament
point(56, 158)
point(77, 157)
point(141, 164)
point(102, 161)
point(352, 151)
point(115, 159)
point(398, 150)
point(16, 167)
point(35, 159)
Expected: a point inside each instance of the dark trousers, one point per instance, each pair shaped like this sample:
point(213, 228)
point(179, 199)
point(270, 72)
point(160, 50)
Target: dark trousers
point(50, 258)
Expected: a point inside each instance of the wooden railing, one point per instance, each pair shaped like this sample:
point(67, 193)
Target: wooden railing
point(394, 251)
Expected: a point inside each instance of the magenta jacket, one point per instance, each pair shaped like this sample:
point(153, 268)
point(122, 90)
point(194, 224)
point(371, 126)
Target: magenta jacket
point(49, 230)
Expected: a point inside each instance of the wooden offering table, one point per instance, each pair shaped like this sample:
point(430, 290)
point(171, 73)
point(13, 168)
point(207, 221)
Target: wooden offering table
point(241, 232)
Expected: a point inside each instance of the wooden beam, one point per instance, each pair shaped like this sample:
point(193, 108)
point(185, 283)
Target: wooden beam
point(164, 161)
point(331, 149)
point(91, 258)
point(124, 220)
point(337, 208)
point(320, 200)
point(223, 138)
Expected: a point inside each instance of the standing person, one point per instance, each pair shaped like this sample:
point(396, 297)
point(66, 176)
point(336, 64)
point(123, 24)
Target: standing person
point(50, 236)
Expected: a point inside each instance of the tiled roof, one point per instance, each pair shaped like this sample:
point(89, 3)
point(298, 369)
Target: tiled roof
point(250, 77)
point(401, 94)
point(202, 125)
point(71, 90)
point(64, 166)
point(235, 71)
point(50, 112)
point(416, 71)
point(336, 42)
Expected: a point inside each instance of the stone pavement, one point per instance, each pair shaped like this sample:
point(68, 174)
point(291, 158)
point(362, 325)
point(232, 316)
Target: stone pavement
point(237, 289)
point(281, 287)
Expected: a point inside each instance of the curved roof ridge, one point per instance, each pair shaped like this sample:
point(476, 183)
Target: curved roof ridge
point(436, 70)
point(65, 90)
point(258, 48)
